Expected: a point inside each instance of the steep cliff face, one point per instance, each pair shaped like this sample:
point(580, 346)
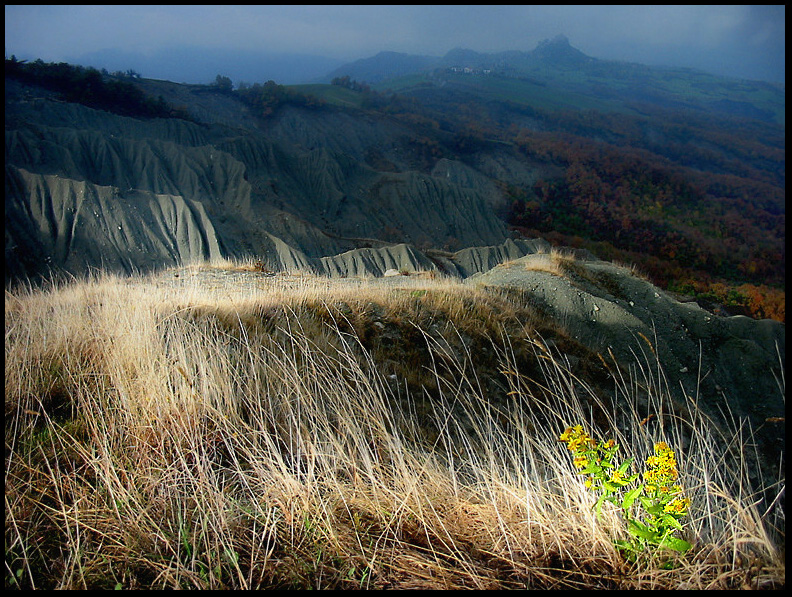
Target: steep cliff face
point(322, 182)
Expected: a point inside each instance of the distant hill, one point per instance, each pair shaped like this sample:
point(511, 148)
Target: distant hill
point(384, 66)
point(187, 64)
point(567, 71)
point(559, 52)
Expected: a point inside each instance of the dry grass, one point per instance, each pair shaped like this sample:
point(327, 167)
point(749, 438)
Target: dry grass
point(556, 261)
point(163, 438)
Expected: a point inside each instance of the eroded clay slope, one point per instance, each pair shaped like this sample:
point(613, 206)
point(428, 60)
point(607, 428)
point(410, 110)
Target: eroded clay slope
point(321, 183)
point(79, 225)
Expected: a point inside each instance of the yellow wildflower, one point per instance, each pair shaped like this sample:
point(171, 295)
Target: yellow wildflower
point(576, 439)
point(616, 477)
point(677, 506)
point(662, 471)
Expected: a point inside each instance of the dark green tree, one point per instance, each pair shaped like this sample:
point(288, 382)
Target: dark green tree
point(223, 83)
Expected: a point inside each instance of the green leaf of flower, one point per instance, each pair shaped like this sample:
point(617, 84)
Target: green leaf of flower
point(625, 465)
point(630, 550)
point(669, 521)
point(639, 530)
point(598, 505)
point(650, 505)
point(631, 496)
point(592, 469)
point(675, 543)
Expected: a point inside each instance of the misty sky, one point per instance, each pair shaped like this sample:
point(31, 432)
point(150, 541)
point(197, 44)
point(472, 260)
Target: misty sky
point(740, 41)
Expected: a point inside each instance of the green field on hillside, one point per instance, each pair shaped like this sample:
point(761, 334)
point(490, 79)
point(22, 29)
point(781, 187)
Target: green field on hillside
point(333, 94)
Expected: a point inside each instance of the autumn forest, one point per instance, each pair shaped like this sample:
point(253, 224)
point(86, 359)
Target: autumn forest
point(695, 200)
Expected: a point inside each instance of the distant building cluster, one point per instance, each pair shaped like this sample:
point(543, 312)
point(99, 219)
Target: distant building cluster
point(468, 70)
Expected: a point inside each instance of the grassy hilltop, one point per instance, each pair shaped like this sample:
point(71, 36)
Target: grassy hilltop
point(334, 434)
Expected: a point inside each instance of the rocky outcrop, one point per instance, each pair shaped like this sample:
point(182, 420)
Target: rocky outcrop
point(403, 258)
point(368, 262)
point(476, 260)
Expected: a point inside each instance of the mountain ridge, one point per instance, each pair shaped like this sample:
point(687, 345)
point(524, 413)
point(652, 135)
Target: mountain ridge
point(556, 62)
point(555, 50)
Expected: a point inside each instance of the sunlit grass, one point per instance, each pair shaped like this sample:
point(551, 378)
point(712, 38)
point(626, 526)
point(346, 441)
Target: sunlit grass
point(183, 437)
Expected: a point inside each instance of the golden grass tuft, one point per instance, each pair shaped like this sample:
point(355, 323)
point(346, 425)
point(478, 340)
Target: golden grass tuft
point(556, 261)
point(187, 438)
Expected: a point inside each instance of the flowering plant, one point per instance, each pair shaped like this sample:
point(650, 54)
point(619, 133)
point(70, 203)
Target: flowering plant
point(659, 494)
